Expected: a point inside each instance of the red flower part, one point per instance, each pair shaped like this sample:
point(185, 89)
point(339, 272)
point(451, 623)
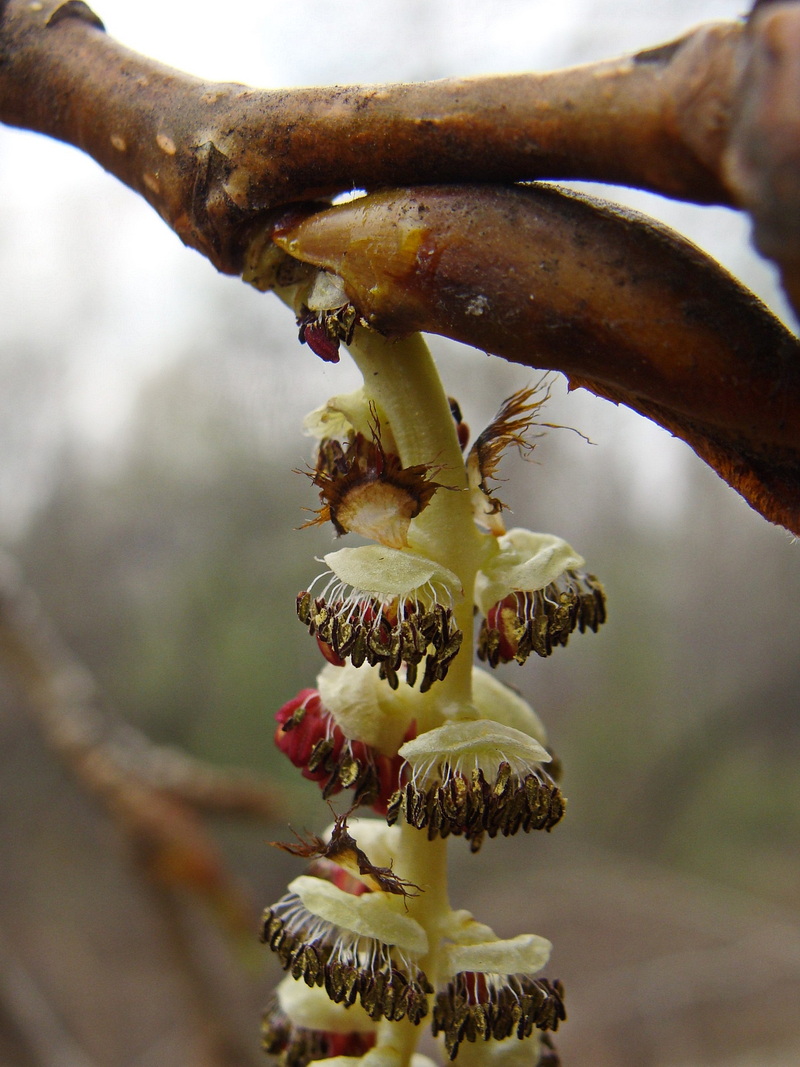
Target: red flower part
point(349, 1044)
point(330, 653)
point(319, 340)
point(543, 619)
point(342, 879)
point(302, 724)
point(308, 734)
point(297, 1046)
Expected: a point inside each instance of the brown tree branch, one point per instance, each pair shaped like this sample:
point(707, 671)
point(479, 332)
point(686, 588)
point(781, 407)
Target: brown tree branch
point(711, 117)
point(154, 794)
point(621, 305)
point(762, 160)
point(211, 158)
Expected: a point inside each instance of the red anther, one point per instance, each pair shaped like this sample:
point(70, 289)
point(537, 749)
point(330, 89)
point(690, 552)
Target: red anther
point(330, 653)
point(320, 342)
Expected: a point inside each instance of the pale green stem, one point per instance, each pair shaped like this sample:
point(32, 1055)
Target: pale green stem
point(401, 379)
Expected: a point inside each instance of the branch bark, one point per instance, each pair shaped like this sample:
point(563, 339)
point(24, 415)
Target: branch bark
point(211, 158)
point(711, 117)
point(623, 306)
point(762, 160)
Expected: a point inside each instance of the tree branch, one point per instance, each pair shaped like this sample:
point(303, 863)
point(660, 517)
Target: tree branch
point(762, 160)
point(620, 304)
point(154, 794)
point(211, 158)
point(711, 117)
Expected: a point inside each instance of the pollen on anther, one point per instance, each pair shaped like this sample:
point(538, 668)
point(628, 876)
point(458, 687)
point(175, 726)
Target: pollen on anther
point(484, 1007)
point(119, 142)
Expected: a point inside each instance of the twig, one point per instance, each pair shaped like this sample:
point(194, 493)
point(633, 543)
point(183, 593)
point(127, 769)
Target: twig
point(212, 158)
point(153, 794)
point(621, 305)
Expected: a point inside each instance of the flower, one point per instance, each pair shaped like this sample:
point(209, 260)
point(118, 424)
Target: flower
point(473, 778)
point(492, 993)
point(327, 317)
point(301, 1024)
point(482, 1006)
point(386, 607)
point(310, 736)
point(534, 595)
point(357, 947)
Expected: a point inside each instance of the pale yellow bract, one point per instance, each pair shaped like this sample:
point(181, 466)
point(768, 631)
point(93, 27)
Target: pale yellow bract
point(389, 573)
point(525, 561)
point(370, 915)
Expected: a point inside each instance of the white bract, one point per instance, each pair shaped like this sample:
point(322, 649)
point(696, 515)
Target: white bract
point(480, 744)
point(339, 417)
point(310, 1008)
point(370, 915)
point(390, 573)
point(364, 707)
point(524, 562)
point(525, 954)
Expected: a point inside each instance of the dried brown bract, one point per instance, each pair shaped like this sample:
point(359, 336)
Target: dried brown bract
point(368, 491)
point(342, 849)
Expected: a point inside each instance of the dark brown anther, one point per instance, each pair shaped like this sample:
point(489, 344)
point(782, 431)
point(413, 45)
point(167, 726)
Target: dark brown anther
point(320, 754)
point(473, 807)
point(496, 1007)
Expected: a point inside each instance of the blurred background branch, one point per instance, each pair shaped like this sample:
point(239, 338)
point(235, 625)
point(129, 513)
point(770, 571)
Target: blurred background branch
point(154, 795)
